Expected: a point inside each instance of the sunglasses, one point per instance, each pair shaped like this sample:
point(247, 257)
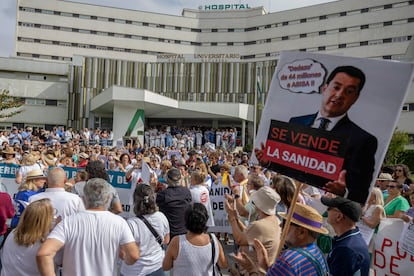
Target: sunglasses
point(391, 186)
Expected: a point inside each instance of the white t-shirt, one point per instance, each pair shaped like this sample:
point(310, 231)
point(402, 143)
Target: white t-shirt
point(65, 203)
point(200, 194)
point(19, 260)
point(91, 242)
point(151, 253)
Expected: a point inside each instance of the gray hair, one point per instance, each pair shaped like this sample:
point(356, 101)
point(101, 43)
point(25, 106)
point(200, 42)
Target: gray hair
point(95, 193)
point(242, 170)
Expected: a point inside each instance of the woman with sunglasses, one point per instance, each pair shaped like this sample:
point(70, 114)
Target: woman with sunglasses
point(395, 204)
point(402, 174)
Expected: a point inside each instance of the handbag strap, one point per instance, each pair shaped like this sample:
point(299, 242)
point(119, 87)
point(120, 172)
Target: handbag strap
point(156, 235)
point(313, 260)
point(213, 252)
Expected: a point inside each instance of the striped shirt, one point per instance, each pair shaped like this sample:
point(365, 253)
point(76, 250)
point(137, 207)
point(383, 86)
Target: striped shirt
point(292, 262)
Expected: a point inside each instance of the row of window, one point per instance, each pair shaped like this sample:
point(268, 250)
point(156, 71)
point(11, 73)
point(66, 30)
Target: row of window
point(273, 54)
point(278, 24)
point(182, 42)
point(46, 102)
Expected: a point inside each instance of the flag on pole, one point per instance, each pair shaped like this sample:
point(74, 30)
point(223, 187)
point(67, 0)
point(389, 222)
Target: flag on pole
point(259, 90)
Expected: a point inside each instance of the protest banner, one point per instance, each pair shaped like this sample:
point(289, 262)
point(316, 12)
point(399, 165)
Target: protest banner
point(217, 192)
point(388, 257)
point(116, 179)
point(324, 120)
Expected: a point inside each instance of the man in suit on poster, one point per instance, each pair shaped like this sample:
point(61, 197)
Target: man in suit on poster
point(340, 92)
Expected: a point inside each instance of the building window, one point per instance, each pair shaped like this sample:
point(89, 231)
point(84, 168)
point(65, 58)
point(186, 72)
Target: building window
point(363, 43)
point(250, 42)
point(386, 57)
point(341, 30)
point(302, 35)
point(342, 14)
point(196, 30)
point(322, 33)
point(214, 30)
point(387, 40)
point(303, 20)
point(388, 6)
point(322, 17)
point(250, 29)
point(388, 23)
point(285, 23)
point(285, 37)
point(321, 48)
point(342, 46)
point(230, 43)
point(212, 43)
point(364, 27)
point(364, 10)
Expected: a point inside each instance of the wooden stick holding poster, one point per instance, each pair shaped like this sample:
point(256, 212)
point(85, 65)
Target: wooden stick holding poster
point(286, 225)
point(324, 120)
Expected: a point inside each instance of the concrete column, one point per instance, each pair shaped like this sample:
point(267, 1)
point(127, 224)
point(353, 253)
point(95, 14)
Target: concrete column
point(243, 132)
point(122, 117)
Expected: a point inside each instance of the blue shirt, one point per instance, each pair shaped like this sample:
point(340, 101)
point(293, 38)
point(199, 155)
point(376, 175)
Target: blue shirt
point(349, 254)
point(292, 262)
point(20, 203)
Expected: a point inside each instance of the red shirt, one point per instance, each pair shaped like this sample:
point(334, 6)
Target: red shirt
point(6, 211)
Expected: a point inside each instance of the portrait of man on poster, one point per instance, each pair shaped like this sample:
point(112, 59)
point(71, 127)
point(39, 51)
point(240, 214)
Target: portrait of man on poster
point(341, 90)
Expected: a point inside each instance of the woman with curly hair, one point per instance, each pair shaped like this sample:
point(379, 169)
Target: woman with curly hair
point(151, 253)
point(19, 252)
point(191, 253)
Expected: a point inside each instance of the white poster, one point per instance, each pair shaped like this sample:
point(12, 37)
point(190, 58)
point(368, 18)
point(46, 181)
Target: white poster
point(328, 120)
point(388, 257)
point(217, 192)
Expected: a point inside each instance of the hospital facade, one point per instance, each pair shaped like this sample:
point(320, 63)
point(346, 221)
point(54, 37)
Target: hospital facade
point(83, 65)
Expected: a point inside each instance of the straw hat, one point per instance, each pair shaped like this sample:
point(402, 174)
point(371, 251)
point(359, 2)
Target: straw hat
point(9, 150)
point(83, 155)
point(307, 217)
point(265, 199)
point(49, 157)
point(34, 174)
point(385, 177)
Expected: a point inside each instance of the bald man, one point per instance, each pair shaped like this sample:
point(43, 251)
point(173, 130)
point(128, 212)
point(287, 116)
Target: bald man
point(65, 203)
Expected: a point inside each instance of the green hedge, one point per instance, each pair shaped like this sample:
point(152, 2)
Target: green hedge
point(407, 158)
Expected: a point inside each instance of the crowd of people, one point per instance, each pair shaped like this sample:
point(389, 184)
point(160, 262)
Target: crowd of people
point(75, 227)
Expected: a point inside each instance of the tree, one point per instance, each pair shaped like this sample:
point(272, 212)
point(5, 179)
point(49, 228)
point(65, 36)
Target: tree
point(396, 147)
point(8, 102)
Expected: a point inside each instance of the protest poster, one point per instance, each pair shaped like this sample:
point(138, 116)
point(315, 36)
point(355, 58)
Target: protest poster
point(388, 257)
point(407, 238)
point(329, 119)
point(217, 192)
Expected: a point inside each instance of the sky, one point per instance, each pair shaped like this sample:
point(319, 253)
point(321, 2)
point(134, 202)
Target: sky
point(174, 7)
